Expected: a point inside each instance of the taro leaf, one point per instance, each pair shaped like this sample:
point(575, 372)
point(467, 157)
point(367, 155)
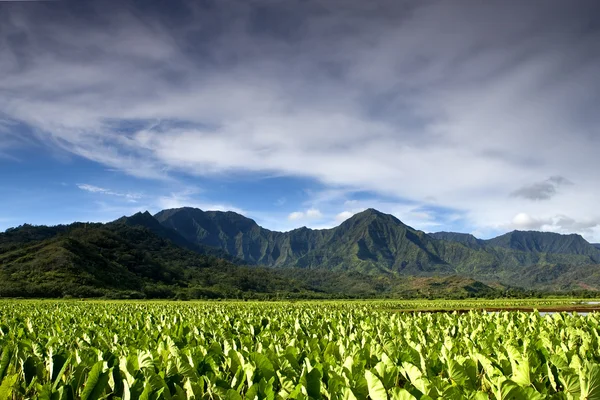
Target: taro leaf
point(313, 383)
point(591, 388)
point(96, 382)
point(5, 360)
point(509, 390)
point(147, 393)
point(376, 388)
point(264, 366)
point(457, 373)
point(481, 396)
point(401, 394)
point(45, 392)
point(232, 395)
point(531, 394)
point(7, 386)
point(58, 373)
point(347, 394)
point(570, 381)
point(520, 366)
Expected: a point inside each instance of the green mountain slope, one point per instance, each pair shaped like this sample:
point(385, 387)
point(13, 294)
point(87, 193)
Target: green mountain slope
point(546, 242)
point(464, 238)
point(191, 253)
point(132, 257)
point(147, 221)
point(369, 241)
point(376, 243)
point(96, 259)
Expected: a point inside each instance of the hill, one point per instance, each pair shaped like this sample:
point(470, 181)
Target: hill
point(135, 258)
point(190, 253)
point(372, 242)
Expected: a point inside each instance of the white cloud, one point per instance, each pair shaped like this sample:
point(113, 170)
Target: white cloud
point(313, 213)
point(395, 105)
point(344, 215)
point(557, 223)
point(525, 221)
point(131, 197)
point(296, 215)
point(310, 214)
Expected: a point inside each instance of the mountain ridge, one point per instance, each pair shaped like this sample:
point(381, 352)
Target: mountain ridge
point(373, 242)
point(370, 245)
point(126, 259)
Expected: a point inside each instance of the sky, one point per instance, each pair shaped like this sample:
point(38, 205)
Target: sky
point(470, 116)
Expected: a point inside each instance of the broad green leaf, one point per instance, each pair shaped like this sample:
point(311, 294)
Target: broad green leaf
point(96, 382)
point(457, 373)
point(313, 383)
point(376, 389)
point(520, 367)
point(7, 352)
point(232, 395)
point(570, 381)
point(590, 390)
point(7, 386)
point(401, 394)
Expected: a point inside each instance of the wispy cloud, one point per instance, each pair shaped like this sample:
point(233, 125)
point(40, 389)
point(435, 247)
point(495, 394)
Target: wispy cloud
point(132, 197)
point(458, 102)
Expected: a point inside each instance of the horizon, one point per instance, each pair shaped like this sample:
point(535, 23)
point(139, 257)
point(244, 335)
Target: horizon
point(465, 117)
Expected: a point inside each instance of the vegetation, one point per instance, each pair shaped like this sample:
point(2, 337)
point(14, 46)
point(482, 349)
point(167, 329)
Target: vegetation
point(326, 350)
point(128, 260)
point(378, 244)
point(191, 254)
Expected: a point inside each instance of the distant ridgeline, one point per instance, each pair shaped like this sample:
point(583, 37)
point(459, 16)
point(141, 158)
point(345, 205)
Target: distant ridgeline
point(190, 253)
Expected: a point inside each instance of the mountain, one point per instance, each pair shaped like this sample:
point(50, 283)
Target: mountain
point(118, 258)
point(546, 242)
point(369, 240)
point(137, 257)
point(146, 220)
point(190, 253)
point(372, 242)
point(464, 238)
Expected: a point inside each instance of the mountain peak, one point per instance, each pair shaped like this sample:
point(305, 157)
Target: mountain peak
point(372, 211)
point(373, 214)
point(139, 218)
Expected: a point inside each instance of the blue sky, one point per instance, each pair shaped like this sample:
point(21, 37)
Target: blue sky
point(57, 188)
point(477, 117)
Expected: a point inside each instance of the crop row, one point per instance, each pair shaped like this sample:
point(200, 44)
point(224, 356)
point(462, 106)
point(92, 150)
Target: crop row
point(82, 350)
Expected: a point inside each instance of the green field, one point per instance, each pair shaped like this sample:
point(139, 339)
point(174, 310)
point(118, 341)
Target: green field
point(300, 350)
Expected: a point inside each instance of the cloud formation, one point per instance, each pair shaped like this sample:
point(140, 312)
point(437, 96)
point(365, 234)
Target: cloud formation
point(311, 213)
point(558, 223)
point(449, 104)
point(542, 190)
point(132, 197)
